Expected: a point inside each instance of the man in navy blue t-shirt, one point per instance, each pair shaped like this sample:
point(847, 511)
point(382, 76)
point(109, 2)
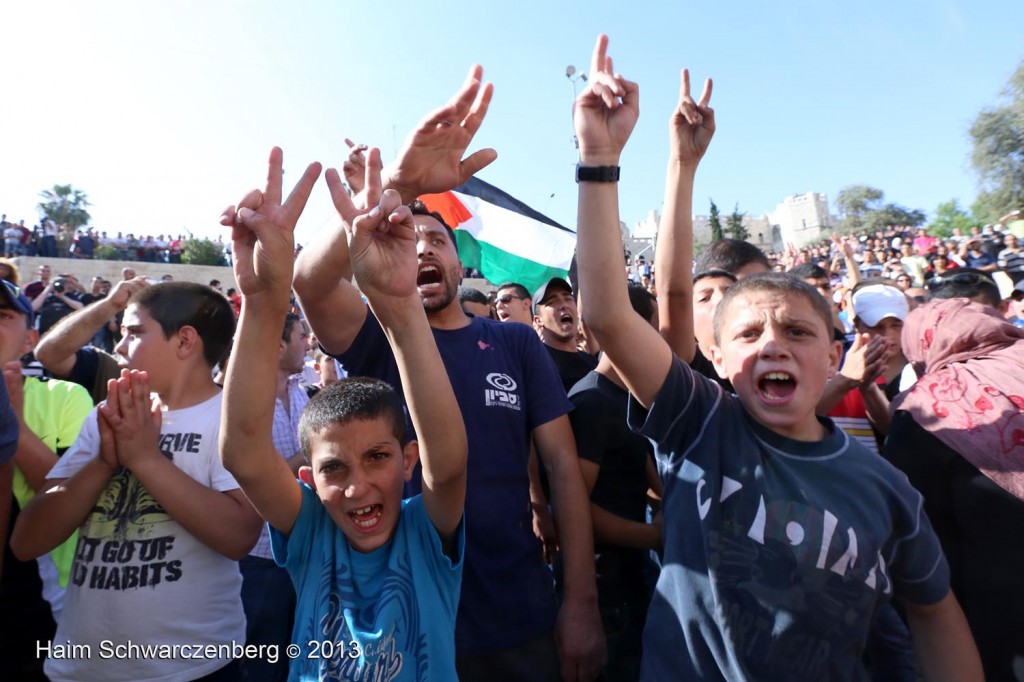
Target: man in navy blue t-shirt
point(508, 623)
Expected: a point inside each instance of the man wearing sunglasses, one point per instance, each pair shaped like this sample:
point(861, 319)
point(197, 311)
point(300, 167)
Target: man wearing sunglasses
point(514, 303)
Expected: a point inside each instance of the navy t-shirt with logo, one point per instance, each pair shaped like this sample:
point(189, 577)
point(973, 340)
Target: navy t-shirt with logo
point(506, 385)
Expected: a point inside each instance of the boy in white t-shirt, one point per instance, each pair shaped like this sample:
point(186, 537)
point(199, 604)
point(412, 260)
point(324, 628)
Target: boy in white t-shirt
point(162, 524)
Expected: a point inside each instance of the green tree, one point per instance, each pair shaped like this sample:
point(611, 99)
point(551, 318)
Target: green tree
point(854, 202)
point(949, 217)
point(998, 153)
point(734, 224)
point(64, 205)
point(892, 214)
point(716, 223)
point(106, 252)
point(202, 252)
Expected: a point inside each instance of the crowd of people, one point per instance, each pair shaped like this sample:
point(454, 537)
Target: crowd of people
point(49, 240)
point(792, 466)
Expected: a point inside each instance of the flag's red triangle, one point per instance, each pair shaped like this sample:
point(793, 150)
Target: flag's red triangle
point(448, 205)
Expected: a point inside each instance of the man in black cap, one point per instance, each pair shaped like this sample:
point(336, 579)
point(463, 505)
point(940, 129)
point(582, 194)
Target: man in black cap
point(557, 320)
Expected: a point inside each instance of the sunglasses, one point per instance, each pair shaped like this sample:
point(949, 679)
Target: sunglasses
point(507, 298)
point(969, 278)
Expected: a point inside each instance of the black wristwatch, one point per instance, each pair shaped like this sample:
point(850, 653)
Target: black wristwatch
point(597, 173)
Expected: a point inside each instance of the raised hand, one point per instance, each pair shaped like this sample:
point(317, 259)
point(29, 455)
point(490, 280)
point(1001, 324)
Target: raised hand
point(692, 124)
point(134, 417)
point(354, 167)
point(262, 232)
point(125, 289)
point(606, 111)
point(430, 160)
point(381, 238)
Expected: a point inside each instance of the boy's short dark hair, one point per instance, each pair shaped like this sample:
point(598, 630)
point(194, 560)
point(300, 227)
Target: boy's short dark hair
point(808, 271)
point(473, 296)
point(965, 283)
point(731, 255)
point(643, 301)
point(360, 398)
point(419, 208)
point(774, 282)
point(187, 304)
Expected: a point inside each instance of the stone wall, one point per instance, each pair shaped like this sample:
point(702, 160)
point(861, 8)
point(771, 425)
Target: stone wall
point(85, 270)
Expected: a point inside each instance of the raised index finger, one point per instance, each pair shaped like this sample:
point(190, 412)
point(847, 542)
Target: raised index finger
point(597, 61)
point(684, 86)
point(272, 195)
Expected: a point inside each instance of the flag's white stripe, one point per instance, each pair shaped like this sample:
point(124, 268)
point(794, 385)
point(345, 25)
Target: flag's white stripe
point(518, 235)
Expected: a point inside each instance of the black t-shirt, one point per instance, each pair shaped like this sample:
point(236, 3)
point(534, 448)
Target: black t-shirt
point(979, 525)
point(572, 366)
point(602, 435)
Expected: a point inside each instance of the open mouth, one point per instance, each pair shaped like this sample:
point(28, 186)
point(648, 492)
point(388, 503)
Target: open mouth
point(776, 387)
point(368, 517)
point(567, 321)
point(429, 277)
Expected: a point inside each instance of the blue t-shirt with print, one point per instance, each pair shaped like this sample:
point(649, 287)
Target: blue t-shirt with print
point(777, 553)
point(385, 615)
point(506, 385)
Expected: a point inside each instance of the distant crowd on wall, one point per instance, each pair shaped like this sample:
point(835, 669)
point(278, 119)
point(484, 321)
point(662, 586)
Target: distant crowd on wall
point(909, 256)
point(49, 240)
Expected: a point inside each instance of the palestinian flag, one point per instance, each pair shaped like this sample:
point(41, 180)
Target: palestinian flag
point(502, 237)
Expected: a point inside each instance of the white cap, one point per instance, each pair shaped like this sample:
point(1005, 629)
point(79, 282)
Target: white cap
point(876, 302)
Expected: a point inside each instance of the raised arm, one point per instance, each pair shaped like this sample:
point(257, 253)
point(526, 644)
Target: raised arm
point(690, 127)
point(56, 351)
point(323, 284)
point(605, 114)
point(262, 237)
point(382, 243)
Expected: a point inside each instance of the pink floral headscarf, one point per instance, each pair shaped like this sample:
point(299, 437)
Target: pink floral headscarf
point(971, 395)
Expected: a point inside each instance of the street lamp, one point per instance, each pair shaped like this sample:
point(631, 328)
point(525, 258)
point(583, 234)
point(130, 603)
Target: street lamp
point(574, 77)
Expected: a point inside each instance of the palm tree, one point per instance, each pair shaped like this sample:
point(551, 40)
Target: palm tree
point(65, 205)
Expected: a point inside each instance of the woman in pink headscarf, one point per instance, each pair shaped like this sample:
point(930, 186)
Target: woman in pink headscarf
point(958, 434)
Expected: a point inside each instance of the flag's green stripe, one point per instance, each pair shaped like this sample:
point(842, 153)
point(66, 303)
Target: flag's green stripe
point(500, 266)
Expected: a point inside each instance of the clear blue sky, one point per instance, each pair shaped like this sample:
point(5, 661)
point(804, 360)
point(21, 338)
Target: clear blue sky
point(163, 112)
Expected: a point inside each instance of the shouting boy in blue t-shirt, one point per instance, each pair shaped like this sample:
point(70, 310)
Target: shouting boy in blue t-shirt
point(377, 578)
